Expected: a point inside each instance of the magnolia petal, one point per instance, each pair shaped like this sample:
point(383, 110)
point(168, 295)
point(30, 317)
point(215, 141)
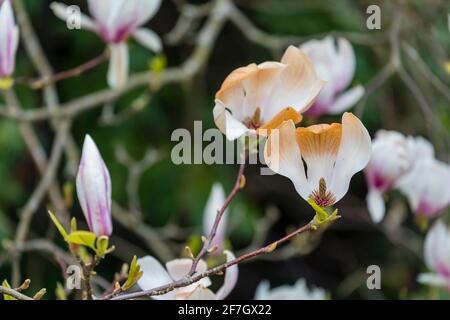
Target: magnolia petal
point(93, 184)
point(375, 204)
point(346, 63)
point(297, 86)
point(282, 155)
point(432, 279)
point(154, 276)
point(263, 290)
point(231, 277)
point(354, 154)
point(215, 201)
point(346, 100)
point(63, 12)
point(179, 268)
point(437, 248)
point(227, 124)
point(298, 291)
point(9, 39)
point(284, 115)
point(426, 186)
point(118, 65)
point(148, 39)
point(201, 293)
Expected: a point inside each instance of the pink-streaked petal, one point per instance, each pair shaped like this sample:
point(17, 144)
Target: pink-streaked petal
point(9, 39)
point(148, 39)
point(231, 277)
point(353, 156)
point(118, 65)
point(154, 276)
point(346, 100)
point(93, 185)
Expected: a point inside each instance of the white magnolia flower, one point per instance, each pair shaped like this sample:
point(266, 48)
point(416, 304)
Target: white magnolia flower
point(115, 21)
point(332, 154)
point(299, 291)
point(9, 39)
point(335, 63)
point(215, 201)
point(94, 189)
point(437, 256)
point(427, 187)
point(393, 155)
point(155, 275)
point(262, 96)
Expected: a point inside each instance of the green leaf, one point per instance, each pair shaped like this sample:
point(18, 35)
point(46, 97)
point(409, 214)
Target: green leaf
point(6, 285)
point(134, 275)
point(84, 238)
point(102, 246)
point(58, 225)
point(60, 293)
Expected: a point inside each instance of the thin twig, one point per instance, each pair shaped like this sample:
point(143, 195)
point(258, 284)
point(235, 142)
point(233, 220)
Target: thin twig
point(14, 293)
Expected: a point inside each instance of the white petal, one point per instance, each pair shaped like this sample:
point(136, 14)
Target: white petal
point(231, 277)
point(437, 247)
point(118, 65)
point(346, 100)
point(282, 155)
point(228, 124)
point(93, 185)
point(263, 290)
point(346, 63)
point(154, 276)
point(148, 39)
point(354, 154)
point(215, 201)
point(179, 268)
point(62, 12)
point(299, 291)
point(375, 204)
point(432, 279)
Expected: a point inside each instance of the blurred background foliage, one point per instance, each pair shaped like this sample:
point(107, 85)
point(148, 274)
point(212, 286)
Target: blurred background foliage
point(336, 260)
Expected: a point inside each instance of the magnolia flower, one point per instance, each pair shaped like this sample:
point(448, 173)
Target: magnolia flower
point(215, 202)
point(437, 256)
point(262, 96)
point(94, 189)
point(299, 291)
point(427, 187)
point(332, 154)
point(155, 275)
point(9, 39)
point(393, 155)
point(115, 21)
point(335, 63)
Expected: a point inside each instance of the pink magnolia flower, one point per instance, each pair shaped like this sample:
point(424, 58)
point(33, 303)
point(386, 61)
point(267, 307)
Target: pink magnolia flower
point(393, 155)
point(155, 275)
point(215, 201)
point(115, 21)
point(335, 63)
point(332, 154)
point(94, 189)
point(437, 256)
point(9, 39)
point(262, 96)
point(427, 187)
point(298, 291)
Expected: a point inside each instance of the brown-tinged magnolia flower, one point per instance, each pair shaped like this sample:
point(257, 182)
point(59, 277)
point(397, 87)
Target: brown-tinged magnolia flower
point(263, 96)
point(321, 159)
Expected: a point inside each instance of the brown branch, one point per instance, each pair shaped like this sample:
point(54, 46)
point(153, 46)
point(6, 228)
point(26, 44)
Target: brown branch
point(216, 270)
point(14, 293)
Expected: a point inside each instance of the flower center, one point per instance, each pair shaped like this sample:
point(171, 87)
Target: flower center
point(322, 196)
point(255, 121)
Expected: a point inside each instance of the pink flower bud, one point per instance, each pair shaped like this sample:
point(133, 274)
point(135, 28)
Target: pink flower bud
point(9, 39)
point(94, 189)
